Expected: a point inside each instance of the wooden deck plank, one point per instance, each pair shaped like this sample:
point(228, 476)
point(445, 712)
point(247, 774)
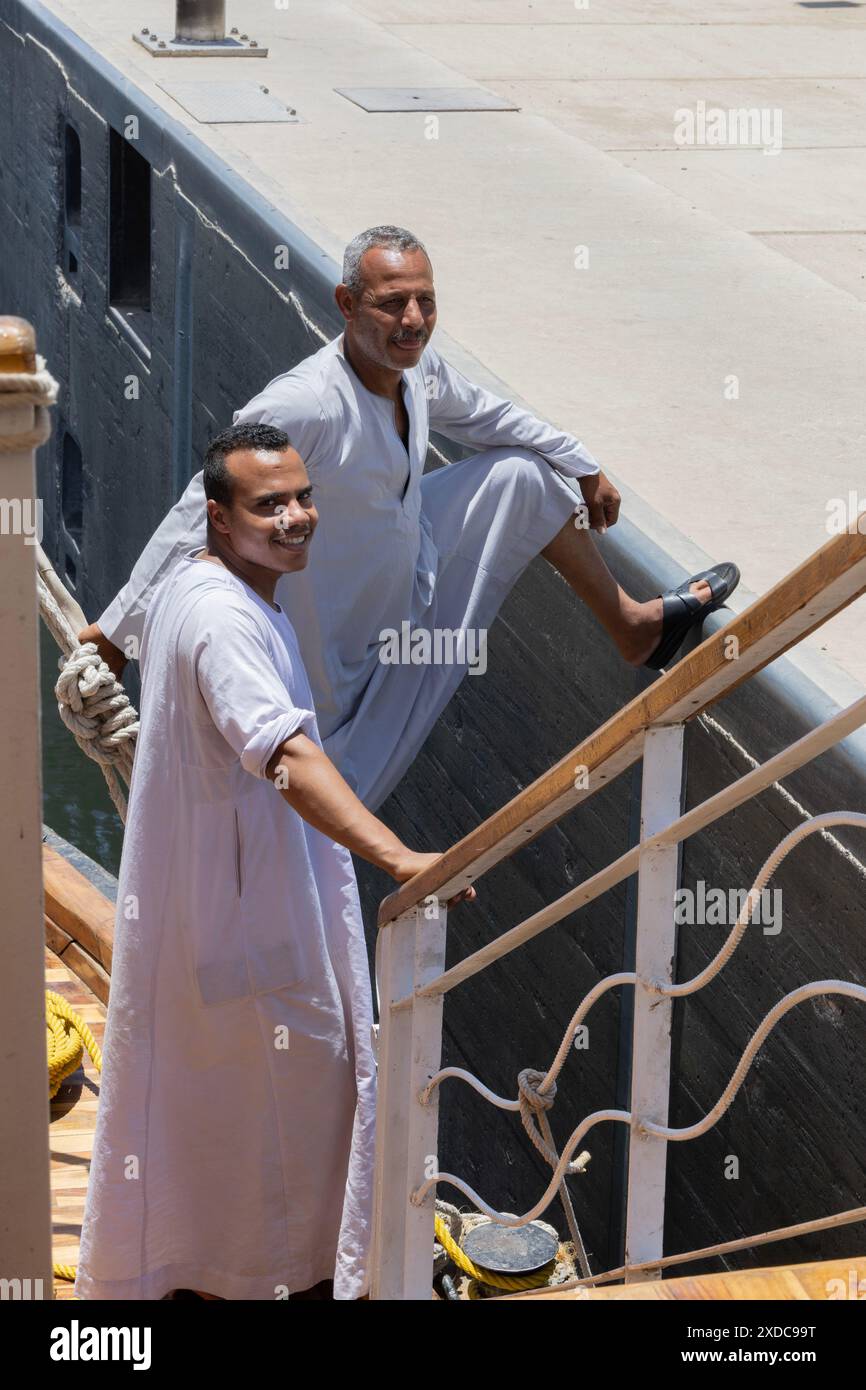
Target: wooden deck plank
point(789, 1283)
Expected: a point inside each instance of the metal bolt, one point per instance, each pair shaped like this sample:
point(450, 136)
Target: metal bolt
point(233, 30)
point(153, 37)
point(145, 31)
point(161, 43)
point(253, 43)
point(264, 89)
point(244, 37)
point(292, 111)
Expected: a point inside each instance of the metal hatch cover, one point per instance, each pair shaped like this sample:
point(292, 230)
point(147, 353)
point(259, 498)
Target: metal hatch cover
point(425, 99)
point(510, 1249)
point(228, 103)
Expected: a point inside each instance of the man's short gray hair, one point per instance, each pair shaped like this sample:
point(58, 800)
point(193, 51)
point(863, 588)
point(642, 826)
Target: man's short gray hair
point(391, 238)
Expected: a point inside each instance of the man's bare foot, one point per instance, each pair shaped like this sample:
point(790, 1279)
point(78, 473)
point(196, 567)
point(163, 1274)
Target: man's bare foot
point(645, 634)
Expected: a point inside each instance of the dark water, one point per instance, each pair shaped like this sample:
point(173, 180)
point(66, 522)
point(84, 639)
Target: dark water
point(75, 800)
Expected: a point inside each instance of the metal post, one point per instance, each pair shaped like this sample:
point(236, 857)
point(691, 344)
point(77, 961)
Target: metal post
point(25, 1189)
point(200, 32)
point(412, 953)
point(200, 21)
point(661, 801)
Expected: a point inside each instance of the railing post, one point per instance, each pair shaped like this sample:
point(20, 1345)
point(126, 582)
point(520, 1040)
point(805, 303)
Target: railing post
point(25, 1193)
point(412, 953)
point(661, 802)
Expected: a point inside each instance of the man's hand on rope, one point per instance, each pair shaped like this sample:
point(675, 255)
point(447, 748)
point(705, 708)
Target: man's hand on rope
point(602, 501)
point(111, 655)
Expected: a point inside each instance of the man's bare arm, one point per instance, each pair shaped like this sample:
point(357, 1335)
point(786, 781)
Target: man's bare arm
point(313, 787)
point(113, 657)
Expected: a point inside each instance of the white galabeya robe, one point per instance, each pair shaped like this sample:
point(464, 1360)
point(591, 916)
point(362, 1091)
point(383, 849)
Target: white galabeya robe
point(439, 550)
point(234, 1141)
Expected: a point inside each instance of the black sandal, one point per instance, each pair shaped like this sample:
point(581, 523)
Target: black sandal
point(681, 609)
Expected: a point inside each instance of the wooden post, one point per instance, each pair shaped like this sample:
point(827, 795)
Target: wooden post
point(412, 952)
point(25, 1191)
point(661, 800)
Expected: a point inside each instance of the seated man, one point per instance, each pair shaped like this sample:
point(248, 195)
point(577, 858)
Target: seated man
point(401, 549)
point(234, 1142)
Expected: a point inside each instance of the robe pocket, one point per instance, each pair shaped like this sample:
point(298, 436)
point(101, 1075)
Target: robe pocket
point(240, 937)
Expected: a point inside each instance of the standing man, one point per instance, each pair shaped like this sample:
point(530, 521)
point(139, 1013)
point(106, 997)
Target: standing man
point(233, 1151)
point(437, 552)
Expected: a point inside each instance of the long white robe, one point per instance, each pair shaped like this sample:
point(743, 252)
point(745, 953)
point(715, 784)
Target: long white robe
point(439, 550)
point(234, 1141)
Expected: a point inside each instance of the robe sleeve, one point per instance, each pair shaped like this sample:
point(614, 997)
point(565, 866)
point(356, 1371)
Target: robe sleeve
point(185, 526)
point(234, 669)
point(470, 415)
point(292, 405)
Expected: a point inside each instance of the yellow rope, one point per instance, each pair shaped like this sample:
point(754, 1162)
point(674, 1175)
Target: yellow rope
point(68, 1035)
point(513, 1283)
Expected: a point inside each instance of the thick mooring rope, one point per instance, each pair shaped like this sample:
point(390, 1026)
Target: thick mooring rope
point(90, 699)
point(38, 389)
point(68, 1036)
point(512, 1283)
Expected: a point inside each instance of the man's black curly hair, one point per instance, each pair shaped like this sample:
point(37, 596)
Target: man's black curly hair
point(217, 479)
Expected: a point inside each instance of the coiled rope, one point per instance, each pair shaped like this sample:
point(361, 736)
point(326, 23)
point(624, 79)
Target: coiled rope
point(513, 1283)
point(68, 1036)
point(90, 699)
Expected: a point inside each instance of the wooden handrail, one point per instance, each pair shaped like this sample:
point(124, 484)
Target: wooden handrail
point(817, 590)
point(80, 910)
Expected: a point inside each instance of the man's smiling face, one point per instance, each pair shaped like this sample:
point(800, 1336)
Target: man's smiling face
point(272, 517)
point(392, 318)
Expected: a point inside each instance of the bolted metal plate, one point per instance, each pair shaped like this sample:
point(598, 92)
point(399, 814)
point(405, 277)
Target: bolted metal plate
point(510, 1249)
point(199, 48)
point(228, 103)
point(425, 99)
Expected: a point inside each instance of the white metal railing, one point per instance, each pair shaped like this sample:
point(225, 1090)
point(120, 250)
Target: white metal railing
point(412, 981)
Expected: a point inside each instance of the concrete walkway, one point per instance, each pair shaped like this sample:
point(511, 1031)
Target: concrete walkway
point(694, 312)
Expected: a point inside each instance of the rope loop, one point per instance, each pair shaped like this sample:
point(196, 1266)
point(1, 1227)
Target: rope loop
point(38, 389)
point(528, 1082)
point(94, 706)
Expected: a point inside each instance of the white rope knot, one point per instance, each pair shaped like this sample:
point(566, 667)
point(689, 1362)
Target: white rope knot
point(88, 694)
point(528, 1082)
point(28, 388)
point(95, 707)
point(533, 1107)
point(38, 389)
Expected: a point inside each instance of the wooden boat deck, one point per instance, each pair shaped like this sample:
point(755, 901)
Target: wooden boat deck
point(73, 1121)
point(779, 1282)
